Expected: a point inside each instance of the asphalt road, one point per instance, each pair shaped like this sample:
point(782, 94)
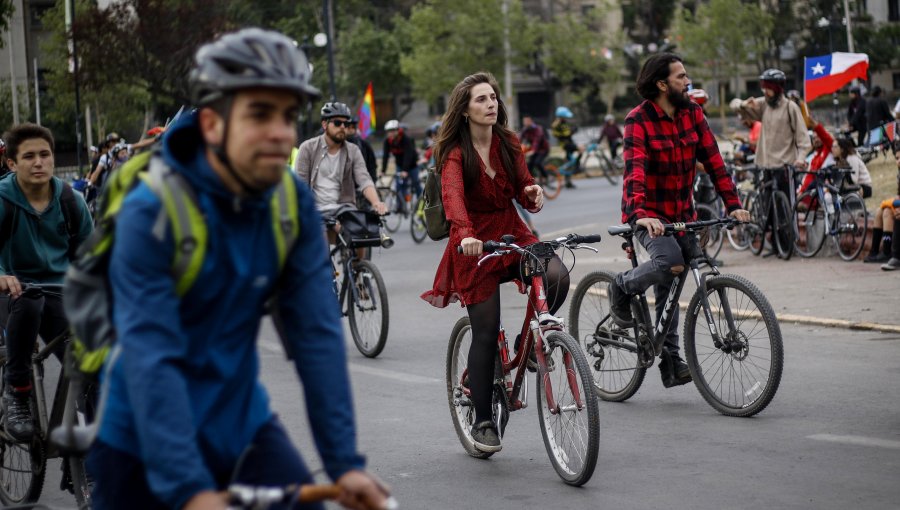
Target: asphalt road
point(830, 438)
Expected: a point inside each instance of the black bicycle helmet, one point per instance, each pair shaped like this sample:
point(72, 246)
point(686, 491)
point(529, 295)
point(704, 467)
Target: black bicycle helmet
point(248, 58)
point(335, 109)
point(773, 75)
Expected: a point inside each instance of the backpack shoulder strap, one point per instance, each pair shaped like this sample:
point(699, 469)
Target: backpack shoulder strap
point(188, 225)
point(285, 216)
point(68, 202)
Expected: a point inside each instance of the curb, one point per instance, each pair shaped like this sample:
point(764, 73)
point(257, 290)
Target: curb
point(806, 319)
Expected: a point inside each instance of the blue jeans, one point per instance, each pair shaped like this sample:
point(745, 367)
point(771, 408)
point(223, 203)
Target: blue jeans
point(120, 480)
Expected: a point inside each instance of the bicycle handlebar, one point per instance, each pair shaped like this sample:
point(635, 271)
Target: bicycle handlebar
point(570, 241)
point(671, 228)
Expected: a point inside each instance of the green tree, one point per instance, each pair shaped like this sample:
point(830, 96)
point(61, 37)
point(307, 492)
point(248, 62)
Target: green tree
point(6, 11)
point(450, 40)
point(716, 42)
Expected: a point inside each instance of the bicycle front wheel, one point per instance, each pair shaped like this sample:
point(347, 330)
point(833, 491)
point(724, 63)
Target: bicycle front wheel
point(739, 235)
point(82, 485)
point(590, 162)
point(554, 182)
point(568, 411)
point(809, 218)
point(738, 372)
point(852, 227)
point(610, 351)
point(783, 225)
point(609, 169)
point(368, 312)
point(392, 204)
point(22, 465)
point(417, 222)
point(756, 229)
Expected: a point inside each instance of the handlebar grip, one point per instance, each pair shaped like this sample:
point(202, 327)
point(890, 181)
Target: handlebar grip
point(487, 247)
point(590, 238)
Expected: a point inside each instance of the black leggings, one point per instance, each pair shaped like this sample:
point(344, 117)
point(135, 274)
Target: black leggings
point(485, 320)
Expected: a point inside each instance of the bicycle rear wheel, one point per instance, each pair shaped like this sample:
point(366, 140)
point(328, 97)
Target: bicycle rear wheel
point(739, 373)
point(609, 169)
point(22, 465)
point(417, 221)
point(568, 410)
point(809, 218)
point(610, 351)
point(462, 411)
point(554, 181)
point(590, 162)
point(368, 315)
point(852, 227)
point(392, 204)
point(783, 225)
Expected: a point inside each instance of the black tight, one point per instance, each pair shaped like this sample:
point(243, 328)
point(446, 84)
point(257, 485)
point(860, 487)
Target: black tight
point(485, 320)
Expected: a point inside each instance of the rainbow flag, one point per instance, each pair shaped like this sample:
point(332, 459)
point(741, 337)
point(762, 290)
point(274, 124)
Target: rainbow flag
point(366, 113)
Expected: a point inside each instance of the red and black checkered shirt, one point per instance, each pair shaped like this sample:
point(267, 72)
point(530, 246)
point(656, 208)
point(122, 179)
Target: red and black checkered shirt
point(660, 164)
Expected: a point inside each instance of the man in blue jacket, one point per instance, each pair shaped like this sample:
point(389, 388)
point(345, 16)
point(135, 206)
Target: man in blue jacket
point(42, 221)
point(185, 411)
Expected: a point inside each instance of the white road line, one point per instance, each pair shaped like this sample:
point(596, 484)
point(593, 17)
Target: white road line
point(857, 440)
point(390, 374)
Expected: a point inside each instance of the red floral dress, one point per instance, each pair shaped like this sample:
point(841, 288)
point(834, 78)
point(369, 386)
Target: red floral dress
point(485, 212)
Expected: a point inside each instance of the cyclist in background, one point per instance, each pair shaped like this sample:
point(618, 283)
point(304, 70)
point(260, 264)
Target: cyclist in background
point(365, 148)
point(4, 169)
point(184, 404)
point(665, 136)
point(535, 142)
point(563, 131)
point(43, 222)
point(399, 144)
point(612, 134)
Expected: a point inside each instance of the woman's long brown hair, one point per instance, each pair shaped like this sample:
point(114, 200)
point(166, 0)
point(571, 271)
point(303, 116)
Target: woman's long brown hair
point(454, 131)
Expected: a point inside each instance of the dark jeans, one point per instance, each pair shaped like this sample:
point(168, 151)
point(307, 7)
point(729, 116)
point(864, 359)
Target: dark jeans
point(29, 315)
point(613, 148)
point(412, 179)
point(121, 482)
point(665, 252)
point(536, 162)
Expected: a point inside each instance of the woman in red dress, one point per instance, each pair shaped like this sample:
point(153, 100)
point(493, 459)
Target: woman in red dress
point(482, 170)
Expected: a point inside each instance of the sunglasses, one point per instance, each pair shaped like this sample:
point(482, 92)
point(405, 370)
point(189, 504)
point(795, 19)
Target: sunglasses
point(342, 123)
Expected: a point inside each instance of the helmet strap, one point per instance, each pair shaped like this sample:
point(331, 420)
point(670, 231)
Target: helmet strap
point(219, 151)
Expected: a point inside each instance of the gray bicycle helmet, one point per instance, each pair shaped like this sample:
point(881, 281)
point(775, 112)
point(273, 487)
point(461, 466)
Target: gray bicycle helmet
point(248, 58)
point(335, 109)
point(773, 75)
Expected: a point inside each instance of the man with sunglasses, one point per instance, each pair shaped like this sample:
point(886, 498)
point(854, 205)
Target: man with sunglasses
point(334, 169)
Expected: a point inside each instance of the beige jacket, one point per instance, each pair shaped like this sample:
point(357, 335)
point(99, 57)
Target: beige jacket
point(355, 177)
point(784, 139)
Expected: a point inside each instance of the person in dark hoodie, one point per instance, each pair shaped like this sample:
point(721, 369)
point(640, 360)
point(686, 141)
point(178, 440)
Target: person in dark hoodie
point(856, 115)
point(42, 222)
point(877, 111)
point(184, 404)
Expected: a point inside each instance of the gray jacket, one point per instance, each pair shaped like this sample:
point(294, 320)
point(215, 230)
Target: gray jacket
point(355, 177)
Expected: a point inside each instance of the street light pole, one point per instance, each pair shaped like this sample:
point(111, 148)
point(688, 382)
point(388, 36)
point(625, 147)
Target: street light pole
point(328, 13)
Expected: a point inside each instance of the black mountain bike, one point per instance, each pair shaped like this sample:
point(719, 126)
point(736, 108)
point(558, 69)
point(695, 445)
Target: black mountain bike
point(773, 212)
point(23, 466)
point(732, 341)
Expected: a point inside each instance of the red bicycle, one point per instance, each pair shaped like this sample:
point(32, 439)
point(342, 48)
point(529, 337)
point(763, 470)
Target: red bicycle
point(567, 405)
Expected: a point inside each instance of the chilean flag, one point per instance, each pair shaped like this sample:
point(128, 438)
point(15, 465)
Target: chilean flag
point(828, 73)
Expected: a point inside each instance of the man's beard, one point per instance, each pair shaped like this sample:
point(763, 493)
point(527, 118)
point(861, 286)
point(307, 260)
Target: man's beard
point(773, 101)
point(680, 100)
point(337, 137)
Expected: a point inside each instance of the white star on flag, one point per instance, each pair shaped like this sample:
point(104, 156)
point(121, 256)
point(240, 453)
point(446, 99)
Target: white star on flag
point(818, 69)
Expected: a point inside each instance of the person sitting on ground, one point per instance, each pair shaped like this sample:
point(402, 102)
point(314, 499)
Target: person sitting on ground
point(845, 155)
point(883, 228)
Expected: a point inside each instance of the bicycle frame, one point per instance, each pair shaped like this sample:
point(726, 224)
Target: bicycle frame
point(657, 335)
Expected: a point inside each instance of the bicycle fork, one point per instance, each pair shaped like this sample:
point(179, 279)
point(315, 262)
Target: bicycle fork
point(728, 344)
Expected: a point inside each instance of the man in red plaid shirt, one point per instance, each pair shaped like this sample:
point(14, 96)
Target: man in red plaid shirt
point(665, 136)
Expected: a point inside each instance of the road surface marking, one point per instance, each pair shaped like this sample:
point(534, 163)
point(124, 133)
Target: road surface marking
point(390, 374)
point(857, 440)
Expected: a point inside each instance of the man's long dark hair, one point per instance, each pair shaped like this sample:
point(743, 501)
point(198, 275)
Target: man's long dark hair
point(655, 69)
point(454, 132)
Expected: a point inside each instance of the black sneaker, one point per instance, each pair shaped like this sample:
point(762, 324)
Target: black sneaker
point(484, 434)
point(17, 419)
point(674, 371)
point(620, 306)
point(876, 258)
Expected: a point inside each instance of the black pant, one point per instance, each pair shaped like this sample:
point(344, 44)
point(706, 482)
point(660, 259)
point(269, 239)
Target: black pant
point(30, 314)
point(536, 162)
